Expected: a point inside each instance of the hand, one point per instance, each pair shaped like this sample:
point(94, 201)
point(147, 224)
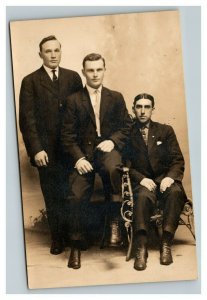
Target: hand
point(106, 146)
point(41, 159)
point(84, 166)
point(165, 183)
point(149, 184)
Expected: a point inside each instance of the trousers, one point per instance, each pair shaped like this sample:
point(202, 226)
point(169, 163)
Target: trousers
point(81, 188)
point(54, 186)
point(171, 202)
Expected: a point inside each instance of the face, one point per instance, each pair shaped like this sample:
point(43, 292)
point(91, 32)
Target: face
point(143, 110)
point(94, 73)
point(51, 54)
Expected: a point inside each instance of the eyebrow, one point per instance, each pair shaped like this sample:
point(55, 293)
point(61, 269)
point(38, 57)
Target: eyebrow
point(145, 106)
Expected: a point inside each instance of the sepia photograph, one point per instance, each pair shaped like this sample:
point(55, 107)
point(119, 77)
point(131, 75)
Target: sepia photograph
point(103, 149)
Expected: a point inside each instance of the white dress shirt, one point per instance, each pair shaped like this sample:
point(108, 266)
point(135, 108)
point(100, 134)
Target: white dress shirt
point(50, 73)
point(95, 96)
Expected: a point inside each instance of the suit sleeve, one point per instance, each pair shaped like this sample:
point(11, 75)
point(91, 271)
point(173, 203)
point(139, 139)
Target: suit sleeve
point(69, 132)
point(121, 136)
point(27, 119)
point(176, 161)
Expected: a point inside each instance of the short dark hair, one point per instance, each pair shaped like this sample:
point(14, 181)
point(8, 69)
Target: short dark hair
point(93, 57)
point(144, 96)
point(46, 39)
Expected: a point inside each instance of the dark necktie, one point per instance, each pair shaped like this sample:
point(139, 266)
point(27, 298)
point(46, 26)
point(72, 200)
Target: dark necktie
point(54, 77)
point(144, 134)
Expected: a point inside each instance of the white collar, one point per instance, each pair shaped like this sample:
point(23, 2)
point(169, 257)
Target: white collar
point(49, 70)
point(92, 90)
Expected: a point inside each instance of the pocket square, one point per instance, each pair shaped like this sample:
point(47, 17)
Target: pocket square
point(159, 143)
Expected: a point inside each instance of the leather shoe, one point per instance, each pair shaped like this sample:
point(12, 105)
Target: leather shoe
point(56, 247)
point(74, 259)
point(115, 238)
point(165, 254)
point(140, 262)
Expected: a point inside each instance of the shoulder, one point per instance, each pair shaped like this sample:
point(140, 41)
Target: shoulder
point(163, 128)
point(69, 72)
point(32, 75)
point(77, 95)
point(117, 96)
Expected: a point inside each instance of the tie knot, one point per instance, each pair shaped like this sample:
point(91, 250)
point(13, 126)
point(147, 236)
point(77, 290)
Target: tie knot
point(54, 75)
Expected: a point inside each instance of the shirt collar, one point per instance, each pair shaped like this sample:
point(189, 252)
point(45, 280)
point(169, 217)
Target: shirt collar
point(49, 71)
point(92, 90)
point(140, 125)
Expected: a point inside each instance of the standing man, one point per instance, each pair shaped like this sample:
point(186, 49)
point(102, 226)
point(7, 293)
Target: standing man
point(42, 104)
point(157, 168)
point(95, 130)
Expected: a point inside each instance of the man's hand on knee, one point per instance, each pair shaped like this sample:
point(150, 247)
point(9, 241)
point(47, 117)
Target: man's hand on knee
point(106, 146)
point(149, 184)
point(41, 159)
point(165, 183)
point(84, 166)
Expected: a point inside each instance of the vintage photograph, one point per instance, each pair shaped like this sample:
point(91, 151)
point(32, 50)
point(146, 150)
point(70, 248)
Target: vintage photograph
point(103, 150)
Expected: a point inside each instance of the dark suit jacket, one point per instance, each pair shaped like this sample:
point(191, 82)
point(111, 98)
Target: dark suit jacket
point(79, 127)
point(41, 110)
point(161, 158)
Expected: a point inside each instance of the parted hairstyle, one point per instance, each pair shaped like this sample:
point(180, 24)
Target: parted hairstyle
point(46, 39)
point(144, 96)
point(93, 57)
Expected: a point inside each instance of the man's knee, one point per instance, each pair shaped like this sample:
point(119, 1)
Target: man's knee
point(174, 192)
point(142, 194)
point(80, 187)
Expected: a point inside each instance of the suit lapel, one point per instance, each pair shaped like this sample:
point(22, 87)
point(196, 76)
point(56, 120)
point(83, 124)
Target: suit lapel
point(138, 139)
point(105, 103)
point(151, 136)
point(87, 104)
point(63, 82)
point(46, 81)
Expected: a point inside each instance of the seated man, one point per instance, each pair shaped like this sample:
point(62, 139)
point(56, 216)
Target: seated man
point(157, 167)
point(95, 129)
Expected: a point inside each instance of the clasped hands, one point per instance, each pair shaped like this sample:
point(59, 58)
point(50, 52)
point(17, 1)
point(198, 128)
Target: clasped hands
point(83, 166)
point(151, 185)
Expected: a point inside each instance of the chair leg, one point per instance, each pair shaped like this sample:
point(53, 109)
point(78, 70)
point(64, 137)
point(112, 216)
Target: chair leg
point(189, 224)
point(130, 242)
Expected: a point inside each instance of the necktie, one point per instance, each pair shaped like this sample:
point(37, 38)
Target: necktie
point(96, 112)
point(144, 134)
point(54, 77)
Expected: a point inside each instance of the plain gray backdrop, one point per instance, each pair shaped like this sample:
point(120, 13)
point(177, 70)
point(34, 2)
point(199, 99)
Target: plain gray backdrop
point(191, 42)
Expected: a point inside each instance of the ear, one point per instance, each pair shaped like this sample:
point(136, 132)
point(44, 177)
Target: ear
point(153, 109)
point(83, 72)
point(133, 109)
point(40, 54)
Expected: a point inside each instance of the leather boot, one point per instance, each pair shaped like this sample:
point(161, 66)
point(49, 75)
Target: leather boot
point(74, 259)
point(56, 247)
point(165, 253)
point(141, 255)
point(115, 237)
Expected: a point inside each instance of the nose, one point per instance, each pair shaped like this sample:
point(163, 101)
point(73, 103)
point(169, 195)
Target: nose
point(143, 111)
point(95, 74)
point(53, 54)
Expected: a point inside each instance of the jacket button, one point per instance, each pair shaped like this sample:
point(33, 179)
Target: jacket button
point(89, 143)
point(60, 105)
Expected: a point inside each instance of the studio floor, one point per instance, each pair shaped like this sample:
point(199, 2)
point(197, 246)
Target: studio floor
point(106, 266)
